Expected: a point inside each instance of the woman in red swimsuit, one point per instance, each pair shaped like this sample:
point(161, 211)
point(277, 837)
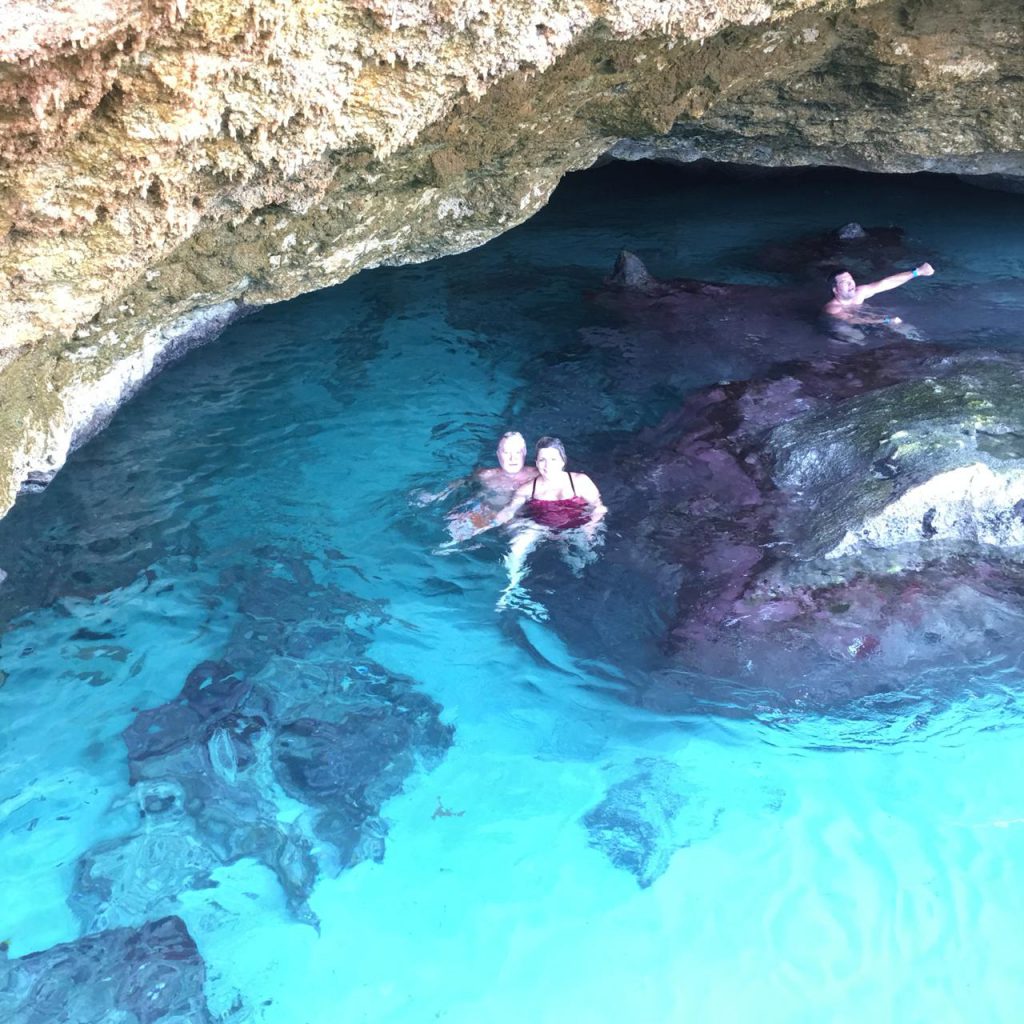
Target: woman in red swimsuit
point(556, 502)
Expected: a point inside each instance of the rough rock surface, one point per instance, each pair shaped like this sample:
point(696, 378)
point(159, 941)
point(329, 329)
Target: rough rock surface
point(840, 521)
point(147, 974)
point(881, 89)
point(164, 166)
point(862, 508)
point(293, 707)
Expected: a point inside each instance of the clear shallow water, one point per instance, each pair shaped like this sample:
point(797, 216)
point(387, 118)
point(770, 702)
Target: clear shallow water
point(808, 866)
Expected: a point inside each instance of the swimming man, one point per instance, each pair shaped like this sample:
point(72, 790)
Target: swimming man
point(496, 482)
point(848, 296)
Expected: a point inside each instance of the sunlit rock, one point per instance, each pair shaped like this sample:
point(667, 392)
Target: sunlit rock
point(930, 460)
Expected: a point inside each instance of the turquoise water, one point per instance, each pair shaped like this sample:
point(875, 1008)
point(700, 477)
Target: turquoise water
point(807, 866)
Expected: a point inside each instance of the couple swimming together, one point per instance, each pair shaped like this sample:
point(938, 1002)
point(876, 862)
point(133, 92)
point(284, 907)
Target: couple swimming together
point(540, 502)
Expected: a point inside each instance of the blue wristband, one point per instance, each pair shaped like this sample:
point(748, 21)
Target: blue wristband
point(915, 272)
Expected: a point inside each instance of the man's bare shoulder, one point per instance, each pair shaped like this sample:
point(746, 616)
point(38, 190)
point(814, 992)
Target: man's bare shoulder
point(497, 478)
point(842, 310)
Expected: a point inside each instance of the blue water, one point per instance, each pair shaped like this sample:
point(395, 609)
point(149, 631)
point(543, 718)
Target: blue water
point(808, 866)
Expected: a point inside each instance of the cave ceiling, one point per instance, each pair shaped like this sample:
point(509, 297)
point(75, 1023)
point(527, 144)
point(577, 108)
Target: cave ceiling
point(166, 166)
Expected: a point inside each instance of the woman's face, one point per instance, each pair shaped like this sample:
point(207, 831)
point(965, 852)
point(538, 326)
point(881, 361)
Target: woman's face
point(549, 462)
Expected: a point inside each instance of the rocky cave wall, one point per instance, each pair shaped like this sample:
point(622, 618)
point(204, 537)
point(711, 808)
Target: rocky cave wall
point(165, 166)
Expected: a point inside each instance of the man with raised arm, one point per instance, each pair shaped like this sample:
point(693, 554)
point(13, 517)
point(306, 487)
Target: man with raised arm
point(848, 296)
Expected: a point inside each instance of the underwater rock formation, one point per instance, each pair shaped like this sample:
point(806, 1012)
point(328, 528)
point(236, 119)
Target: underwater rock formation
point(868, 253)
point(863, 507)
point(836, 524)
point(147, 974)
point(635, 824)
point(298, 710)
point(646, 818)
point(670, 329)
point(165, 167)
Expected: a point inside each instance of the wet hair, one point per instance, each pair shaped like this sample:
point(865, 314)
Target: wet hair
point(839, 273)
point(552, 442)
point(510, 435)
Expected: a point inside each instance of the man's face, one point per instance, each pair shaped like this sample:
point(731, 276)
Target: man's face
point(511, 456)
point(844, 287)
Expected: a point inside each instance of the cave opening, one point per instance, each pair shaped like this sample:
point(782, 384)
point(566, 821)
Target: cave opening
point(290, 694)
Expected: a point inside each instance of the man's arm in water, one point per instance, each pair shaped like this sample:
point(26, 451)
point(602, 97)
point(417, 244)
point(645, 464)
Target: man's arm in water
point(499, 518)
point(859, 314)
point(423, 497)
point(504, 515)
point(865, 291)
point(480, 477)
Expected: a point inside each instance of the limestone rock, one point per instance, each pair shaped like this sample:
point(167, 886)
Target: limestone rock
point(936, 459)
point(165, 166)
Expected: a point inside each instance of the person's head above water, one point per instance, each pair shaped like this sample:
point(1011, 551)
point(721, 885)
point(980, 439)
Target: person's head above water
point(550, 456)
point(843, 285)
point(847, 295)
point(511, 452)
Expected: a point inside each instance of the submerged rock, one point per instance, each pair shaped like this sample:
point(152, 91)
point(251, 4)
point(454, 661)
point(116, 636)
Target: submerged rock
point(682, 332)
point(148, 974)
point(348, 766)
point(868, 253)
point(868, 507)
point(309, 715)
point(830, 528)
point(646, 818)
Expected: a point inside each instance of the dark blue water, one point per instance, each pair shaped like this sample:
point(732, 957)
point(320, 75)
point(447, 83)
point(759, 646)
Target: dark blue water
point(252, 507)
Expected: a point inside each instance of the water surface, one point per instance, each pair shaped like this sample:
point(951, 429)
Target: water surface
point(803, 865)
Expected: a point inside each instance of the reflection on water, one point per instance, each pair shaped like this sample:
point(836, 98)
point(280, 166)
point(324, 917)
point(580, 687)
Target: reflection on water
point(240, 691)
